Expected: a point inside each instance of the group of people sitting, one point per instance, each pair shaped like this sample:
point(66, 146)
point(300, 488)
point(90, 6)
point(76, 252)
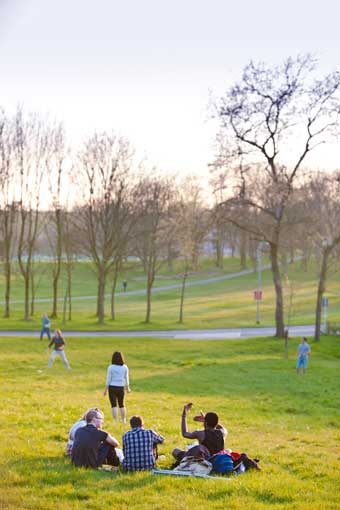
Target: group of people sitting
point(90, 446)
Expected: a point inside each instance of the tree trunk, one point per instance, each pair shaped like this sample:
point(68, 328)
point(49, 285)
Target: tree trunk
point(182, 298)
point(320, 291)
point(194, 258)
point(148, 302)
point(113, 291)
point(32, 293)
point(279, 320)
point(57, 264)
point(243, 250)
point(219, 252)
point(101, 296)
point(150, 280)
point(27, 296)
point(8, 273)
point(69, 287)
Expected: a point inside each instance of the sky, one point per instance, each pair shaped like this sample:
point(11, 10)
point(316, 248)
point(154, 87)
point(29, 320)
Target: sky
point(148, 68)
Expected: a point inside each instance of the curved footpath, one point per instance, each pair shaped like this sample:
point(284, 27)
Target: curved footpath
point(204, 281)
point(190, 334)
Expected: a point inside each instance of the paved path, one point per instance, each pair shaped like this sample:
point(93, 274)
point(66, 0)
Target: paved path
point(201, 334)
point(205, 281)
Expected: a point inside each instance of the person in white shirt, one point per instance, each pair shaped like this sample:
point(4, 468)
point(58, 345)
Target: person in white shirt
point(117, 381)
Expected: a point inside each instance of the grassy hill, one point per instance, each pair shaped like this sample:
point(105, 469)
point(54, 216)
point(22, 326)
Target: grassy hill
point(291, 423)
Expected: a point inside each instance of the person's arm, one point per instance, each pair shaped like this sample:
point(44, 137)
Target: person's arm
point(184, 428)
point(51, 343)
point(107, 381)
point(157, 438)
point(127, 383)
point(111, 440)
point(222, 429)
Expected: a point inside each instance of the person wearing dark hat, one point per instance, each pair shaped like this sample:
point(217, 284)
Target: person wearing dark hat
point(210, 439)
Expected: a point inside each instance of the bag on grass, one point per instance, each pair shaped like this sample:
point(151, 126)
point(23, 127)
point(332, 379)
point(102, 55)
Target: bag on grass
point(247, 462)
point(222, 463)
point(194, 466)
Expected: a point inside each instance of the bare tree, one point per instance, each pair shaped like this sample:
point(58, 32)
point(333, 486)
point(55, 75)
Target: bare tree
point(58, 183)
point(325, 193)
point(105, 162)
point(32, 138)
point(267, 112)
point(152, 228)
point(8, 204)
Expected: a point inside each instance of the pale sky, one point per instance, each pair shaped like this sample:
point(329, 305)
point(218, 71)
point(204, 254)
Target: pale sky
point(144, 68)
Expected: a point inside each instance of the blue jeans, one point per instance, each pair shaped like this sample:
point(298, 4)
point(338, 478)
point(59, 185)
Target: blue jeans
point(47, 331)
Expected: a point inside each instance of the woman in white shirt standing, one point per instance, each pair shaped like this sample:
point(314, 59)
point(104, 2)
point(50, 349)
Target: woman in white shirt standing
point(117, 381)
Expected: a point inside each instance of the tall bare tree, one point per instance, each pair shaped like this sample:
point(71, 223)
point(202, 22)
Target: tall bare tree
point(269, 112)
point(8, 204)
point(105, 162)
point(152, 228)
point(32, 145)
point(59, 169)
point(325, 199)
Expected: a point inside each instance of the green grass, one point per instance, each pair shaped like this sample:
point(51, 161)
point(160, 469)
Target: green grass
point(225, 303)
point(291, 423)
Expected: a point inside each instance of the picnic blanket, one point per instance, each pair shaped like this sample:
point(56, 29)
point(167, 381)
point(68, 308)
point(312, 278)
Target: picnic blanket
point(186, 473)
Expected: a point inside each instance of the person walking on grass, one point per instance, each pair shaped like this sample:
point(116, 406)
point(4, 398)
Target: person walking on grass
point(59, 345)
point(117, 381)
point(45, 327)
point(303, 353)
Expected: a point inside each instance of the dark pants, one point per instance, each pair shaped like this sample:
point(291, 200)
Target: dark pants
point(116, 393)
point(107, 455)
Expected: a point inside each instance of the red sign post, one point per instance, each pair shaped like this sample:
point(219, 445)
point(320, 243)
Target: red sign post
point(258, 295)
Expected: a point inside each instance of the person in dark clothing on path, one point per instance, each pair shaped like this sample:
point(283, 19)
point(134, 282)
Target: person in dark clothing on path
point(93, 446)
point(212, 437)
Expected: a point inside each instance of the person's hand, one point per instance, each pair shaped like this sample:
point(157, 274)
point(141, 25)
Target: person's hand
point(200, 417)
point(187, 408)
point(128, 389)
point(104, 392)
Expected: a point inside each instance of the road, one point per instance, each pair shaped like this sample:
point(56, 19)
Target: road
point(201, 334)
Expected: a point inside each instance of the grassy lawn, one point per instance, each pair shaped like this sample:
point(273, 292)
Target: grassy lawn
point(291, 423)
point(224, 303)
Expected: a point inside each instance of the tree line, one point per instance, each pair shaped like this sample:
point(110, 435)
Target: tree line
point(97, 201)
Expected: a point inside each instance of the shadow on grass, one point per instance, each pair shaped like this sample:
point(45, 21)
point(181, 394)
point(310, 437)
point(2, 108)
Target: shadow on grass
point(45, 472)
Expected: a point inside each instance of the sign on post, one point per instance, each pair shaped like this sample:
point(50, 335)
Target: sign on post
point(258, 295)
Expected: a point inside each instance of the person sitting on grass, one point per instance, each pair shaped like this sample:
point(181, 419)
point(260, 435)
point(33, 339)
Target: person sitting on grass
point(140, 446)
point(93, 446)
point(79, 424)
point(211, 438)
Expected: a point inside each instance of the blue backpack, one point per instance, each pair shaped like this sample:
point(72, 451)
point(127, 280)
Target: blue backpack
point(222, 463)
